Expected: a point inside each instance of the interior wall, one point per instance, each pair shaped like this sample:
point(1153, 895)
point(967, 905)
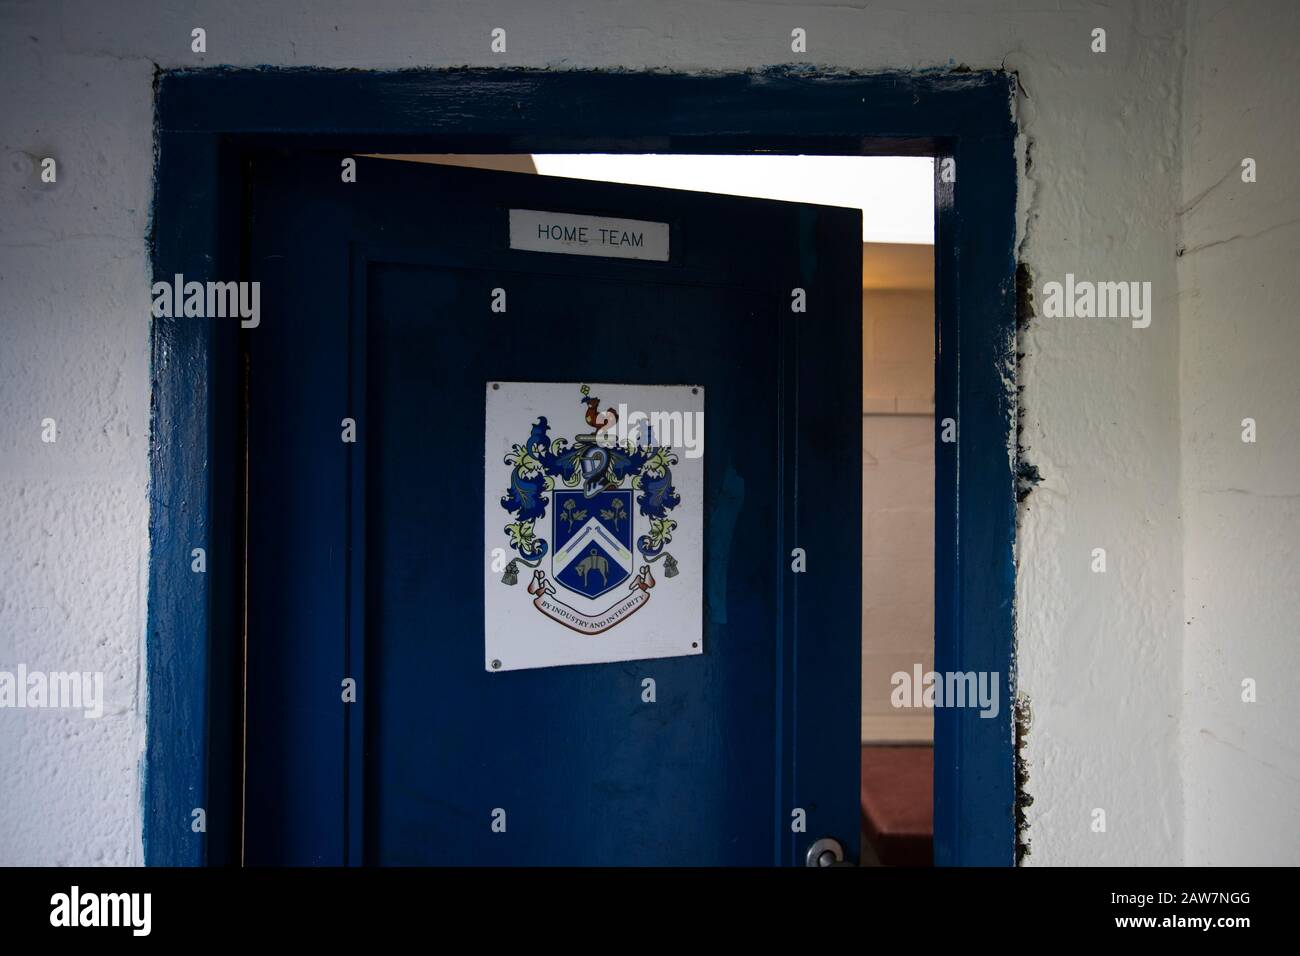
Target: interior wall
point(1100, 656)
point(897, 485)
point(1241, 500)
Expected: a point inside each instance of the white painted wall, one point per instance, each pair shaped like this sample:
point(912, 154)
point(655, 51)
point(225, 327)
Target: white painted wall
point(1101, 656)
point(1240, 355)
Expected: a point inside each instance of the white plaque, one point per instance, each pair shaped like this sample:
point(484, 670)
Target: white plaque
point(593, 520)
point(540, 231)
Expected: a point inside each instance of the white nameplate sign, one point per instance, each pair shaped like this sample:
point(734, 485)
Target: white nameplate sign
point(539, 231)
point(593, 517)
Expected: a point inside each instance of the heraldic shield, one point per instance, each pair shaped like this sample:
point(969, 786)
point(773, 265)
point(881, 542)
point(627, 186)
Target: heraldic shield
point(593, 541)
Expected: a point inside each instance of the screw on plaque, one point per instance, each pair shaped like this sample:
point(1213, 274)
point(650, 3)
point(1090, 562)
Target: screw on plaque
point(496, 665)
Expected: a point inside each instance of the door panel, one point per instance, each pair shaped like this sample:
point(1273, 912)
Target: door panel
point(364, 557)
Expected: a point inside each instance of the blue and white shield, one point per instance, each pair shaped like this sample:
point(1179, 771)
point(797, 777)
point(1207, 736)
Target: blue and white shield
point(593, 541)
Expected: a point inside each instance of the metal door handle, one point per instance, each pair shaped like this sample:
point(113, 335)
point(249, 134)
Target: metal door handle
point(826, 852)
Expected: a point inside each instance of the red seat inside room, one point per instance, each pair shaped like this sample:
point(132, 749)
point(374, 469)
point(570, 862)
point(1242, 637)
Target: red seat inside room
point(897, 798)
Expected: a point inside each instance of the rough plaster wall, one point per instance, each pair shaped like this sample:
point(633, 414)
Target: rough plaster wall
point(1099, 655)
point(74, 325)
point(1241, 502)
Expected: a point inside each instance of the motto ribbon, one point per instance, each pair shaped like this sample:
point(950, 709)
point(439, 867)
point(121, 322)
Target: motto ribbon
point(575, 620)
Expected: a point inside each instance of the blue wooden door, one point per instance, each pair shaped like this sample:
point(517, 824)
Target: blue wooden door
point(365, 558)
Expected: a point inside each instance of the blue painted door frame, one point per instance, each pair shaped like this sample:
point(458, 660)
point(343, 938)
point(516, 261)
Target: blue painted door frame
point(210, 121)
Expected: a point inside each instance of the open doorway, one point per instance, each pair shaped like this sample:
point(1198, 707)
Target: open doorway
point(896, 197)
point(254, 116)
